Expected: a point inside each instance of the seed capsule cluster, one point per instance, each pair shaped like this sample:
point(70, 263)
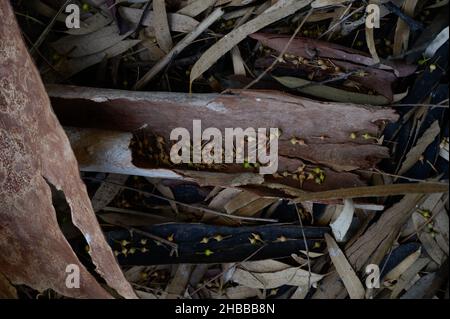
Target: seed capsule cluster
point(303, 173)
point(126, 247)
point(430, 224)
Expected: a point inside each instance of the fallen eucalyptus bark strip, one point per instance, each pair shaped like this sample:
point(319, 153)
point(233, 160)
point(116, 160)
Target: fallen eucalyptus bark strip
point(109, 152)
point(313, 131)
point(35, 156)
point(358, 66)
point(375, 191)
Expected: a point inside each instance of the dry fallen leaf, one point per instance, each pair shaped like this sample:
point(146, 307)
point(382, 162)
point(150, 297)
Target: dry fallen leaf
point(194, 8)
point(344, 269)
point(267, 265)
point(373, 245)
point(402, 30)
point(161, 25)
point(438, 41)
point(178, 283)
point(239, 201)
point(241, 292)
point(268, 280)
point(75, 46)
point(427, 239)
point(177, 22)
point(407, 276)
point(107, 191)
point(166, 192)
point(210, 56)
point(422, 143)
point(223, 197)
point(324, 3)
point(180, 46)
point(255, 207)
point(69, 67)
point(406, 263)
point(43, 9)
point(91, 24)
point(329, 92)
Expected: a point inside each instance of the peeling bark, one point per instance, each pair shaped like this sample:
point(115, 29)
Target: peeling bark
point(108, 151)
point(326, 128)
point(35, 152)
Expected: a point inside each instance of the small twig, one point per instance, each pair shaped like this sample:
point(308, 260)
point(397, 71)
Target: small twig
point(413, 24)
point(143, 16)
point(340, 77)
point(47, 29)
point(341, 21)
point(131, 212)
point(377, 171)
point(180, 46)
point(306, 245)
point(29, 17)
point(203, 209)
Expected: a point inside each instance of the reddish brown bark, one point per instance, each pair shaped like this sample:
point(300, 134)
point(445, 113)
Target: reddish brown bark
point(326, 128)
point(35, 152)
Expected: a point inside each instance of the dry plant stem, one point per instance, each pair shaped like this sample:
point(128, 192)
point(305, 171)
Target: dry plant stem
point(377, 171)
point(340, 21)
point(124, 211)
point(47, 29)
point(347, 9)
point(375, 191)
point(281, 53)
point(143, 16)
point(161, 26)
point(205, 210)
point(180, 46)
point(306, 245)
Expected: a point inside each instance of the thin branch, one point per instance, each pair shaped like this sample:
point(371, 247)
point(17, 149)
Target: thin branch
point(44, 33)
point(203, 209)
point(306, 246)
